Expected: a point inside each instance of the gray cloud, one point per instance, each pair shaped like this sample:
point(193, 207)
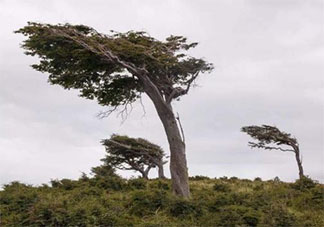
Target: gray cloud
point(268, 69)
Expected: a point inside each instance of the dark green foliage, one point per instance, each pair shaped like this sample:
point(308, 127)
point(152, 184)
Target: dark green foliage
point(305, 183)
point(278, 215)
point(113, 201)
point(110, 183)
point(183, 208)
point(221, 187)
point(257, 179)
point(65, 184)
point(219, 201)
point(198, 177)
point(144, 203)
point(75, 56)
point(138, 183)
point(238, 216)
point(105, 170)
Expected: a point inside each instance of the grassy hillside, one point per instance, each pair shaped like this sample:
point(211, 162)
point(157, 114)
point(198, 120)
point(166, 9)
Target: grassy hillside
point(113, 201)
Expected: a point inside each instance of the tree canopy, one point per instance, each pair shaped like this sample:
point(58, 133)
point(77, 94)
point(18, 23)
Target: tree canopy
point(106, 67)
point(267, 135)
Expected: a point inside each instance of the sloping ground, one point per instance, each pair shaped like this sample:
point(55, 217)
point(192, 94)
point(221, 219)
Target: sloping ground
point(112, 201)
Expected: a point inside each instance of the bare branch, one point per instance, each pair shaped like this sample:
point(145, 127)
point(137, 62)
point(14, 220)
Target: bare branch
point(182, 133)
point(143, 107)
point(179, 91)
point(260, 145)
point(103, 114)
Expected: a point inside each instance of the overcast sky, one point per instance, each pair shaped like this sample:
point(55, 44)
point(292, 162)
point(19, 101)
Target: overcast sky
point(268, 57)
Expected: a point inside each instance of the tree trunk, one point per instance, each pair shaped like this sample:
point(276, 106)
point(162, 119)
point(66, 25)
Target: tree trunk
point(144, 174)
point(161, 170)
point(178, 161)
point(299, 162)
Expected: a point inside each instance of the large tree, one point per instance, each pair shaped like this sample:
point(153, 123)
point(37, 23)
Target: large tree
point(116, 69)
point(271, 138)
point(137, 154)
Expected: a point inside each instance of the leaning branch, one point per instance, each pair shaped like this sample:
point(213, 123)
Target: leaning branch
point(100, 49)
point(256, 145)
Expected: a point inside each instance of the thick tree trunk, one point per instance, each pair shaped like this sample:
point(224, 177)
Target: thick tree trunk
point(299, 162)
point(178, 161)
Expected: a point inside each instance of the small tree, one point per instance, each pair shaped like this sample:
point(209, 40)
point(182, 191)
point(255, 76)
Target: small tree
point(117, 69)
point(271, 138)
point(136, 154)
point(104, 170)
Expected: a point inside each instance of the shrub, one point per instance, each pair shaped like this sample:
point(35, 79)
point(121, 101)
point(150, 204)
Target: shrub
point(147, 203)
point(162, 184)
point(221, 187)
point(137, 183)
point(112, 183)
point(305, 183)
point(219, 201)
point(182, 208)
point(317, 197)
point(233, 179)
point(278, 215)
point(199, 177)
point(257, 179)
point(238, 216)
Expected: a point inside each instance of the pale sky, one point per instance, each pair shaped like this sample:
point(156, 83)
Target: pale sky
point(268, 57)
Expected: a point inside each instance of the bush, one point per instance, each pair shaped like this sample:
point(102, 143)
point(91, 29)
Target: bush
point(221, 187)
point(233, 179)
point(138, 183)
point(112, 183)
point(317, 197)
point(198, 177)
point(182, 208)
point(147, 203)
point(257, 179)
point(219, 201)
point(162, 184)
point(305, 183)
point(238, 216)
point(278, 215)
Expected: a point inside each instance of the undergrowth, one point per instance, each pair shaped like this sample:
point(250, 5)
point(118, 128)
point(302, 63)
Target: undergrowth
point(113, 201)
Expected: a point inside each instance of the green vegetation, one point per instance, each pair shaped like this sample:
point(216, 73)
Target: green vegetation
point(108, 200)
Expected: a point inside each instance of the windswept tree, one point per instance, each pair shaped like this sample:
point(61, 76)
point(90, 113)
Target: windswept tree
point(271, 138)
point(117, 69)
point(137, 154)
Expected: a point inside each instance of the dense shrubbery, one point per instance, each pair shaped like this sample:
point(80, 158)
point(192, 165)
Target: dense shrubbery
point(108, 200)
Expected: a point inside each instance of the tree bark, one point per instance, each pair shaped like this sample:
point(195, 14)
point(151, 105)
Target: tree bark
point(299, 162)
point(161, 170)
point(178, 161)
point(145, 172)
point(145, 175)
